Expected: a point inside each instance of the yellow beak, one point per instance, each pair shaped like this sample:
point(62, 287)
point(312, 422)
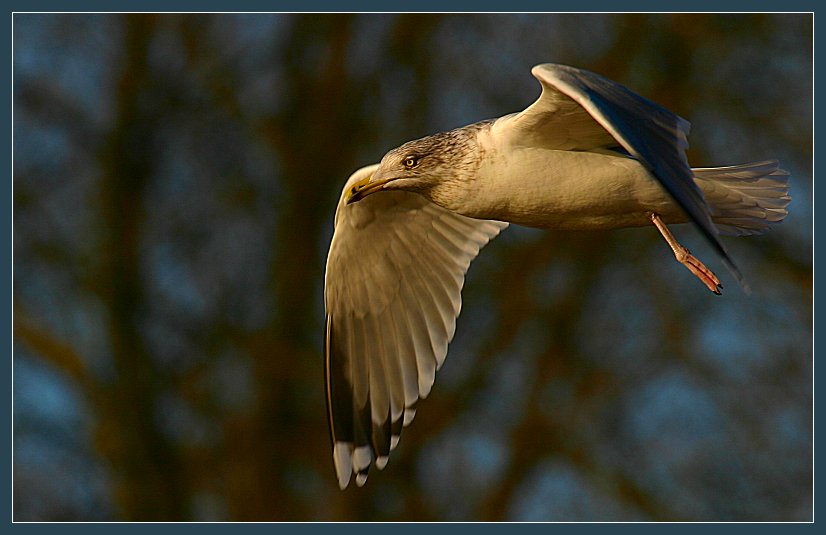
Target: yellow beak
point(363, 188)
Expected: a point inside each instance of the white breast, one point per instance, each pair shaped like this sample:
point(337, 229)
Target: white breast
point(565, 189)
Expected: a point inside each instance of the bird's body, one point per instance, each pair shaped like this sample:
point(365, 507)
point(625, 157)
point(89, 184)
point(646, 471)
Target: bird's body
point(542, 187)
point(588, 154)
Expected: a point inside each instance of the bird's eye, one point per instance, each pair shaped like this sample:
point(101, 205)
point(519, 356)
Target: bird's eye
point(411, 161)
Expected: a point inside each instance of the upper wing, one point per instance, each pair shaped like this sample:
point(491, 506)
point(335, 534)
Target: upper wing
point(580, 110)
point(392, 293)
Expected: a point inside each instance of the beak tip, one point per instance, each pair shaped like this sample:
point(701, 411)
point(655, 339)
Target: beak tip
point(362, 189)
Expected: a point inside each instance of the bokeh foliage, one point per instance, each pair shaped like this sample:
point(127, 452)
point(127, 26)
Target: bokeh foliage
point(175, 178)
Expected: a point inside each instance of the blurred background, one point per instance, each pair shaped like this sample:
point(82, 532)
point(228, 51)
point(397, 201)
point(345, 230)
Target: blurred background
point(175, 178)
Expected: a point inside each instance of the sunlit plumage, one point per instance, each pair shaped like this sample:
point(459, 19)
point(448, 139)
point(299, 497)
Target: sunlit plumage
point(588, 154)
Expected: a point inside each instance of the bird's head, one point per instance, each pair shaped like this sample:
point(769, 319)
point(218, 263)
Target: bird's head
point(418, 166)
point(412, 166)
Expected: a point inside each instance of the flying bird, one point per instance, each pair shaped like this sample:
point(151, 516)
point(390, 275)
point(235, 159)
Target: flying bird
point(587, 154)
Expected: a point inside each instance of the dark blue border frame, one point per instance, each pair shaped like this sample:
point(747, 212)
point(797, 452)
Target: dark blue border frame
point(418, 5)
point(378, 6)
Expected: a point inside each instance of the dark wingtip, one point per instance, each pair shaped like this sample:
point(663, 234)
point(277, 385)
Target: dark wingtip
point(741, 280)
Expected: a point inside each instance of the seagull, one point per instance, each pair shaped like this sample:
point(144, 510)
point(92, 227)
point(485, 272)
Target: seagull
point(587, 154)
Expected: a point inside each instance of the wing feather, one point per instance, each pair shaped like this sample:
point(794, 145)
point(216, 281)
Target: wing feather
point(406, 356)
point(432, 299)
point(422, 337)
point(581, 110)
point(392, 293)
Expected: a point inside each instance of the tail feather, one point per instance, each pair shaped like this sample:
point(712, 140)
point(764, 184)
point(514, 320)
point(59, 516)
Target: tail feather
point(745, 199)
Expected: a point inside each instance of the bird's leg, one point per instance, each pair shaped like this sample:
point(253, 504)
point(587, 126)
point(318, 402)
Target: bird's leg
point(685, 257)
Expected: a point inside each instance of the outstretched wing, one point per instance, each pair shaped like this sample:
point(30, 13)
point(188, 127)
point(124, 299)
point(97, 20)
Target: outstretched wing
point(393, 285)
point(580, 110)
